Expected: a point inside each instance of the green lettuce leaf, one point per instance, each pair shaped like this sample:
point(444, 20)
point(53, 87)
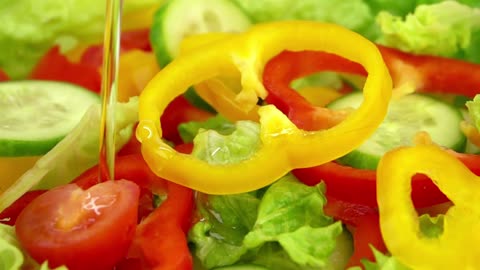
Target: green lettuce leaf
point(219, 238)
point(30, 28)
point(382, 262)
point(11, 257)
point(291, 213)
point(445, 29)
point(353, 14)
point(473, 107)
point(215, 148)
point(74, 154)
point(431, 227)
point(279, 226)
point(189, 130)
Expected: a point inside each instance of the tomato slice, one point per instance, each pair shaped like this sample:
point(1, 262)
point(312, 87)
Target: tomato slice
point(82, 229)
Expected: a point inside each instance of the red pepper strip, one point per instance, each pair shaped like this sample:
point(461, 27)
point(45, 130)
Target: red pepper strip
point(428, 74)
point(161, 237)
point(432, 73)
point(359, 185)
point(367, 233)
point(177, 112)
point(364, 224)
point(287, 66)
point(136, 39)
point(3, 76)
point(55, 66)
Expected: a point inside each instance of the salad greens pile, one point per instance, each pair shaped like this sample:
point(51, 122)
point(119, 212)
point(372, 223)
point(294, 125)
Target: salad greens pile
point(12, 255)
point(435, 27)
point(30, 28)
point(282, 226)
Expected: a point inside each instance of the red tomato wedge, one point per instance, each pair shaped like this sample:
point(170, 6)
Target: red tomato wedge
point(82, 229)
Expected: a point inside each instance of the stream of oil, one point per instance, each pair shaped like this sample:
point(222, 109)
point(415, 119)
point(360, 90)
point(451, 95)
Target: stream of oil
point(111, 51)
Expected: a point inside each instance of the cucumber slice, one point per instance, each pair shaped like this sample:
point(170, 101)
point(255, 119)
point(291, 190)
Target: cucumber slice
point(36, 115)
point(179, 18)
point(406, 117)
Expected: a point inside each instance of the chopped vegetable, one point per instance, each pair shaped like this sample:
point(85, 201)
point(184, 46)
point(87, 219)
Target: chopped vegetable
point(196, 17)
point(406, 116)
point(77, 152)
point(399, 221)
point(78, 228)
point(270, 40)
point(429, 29)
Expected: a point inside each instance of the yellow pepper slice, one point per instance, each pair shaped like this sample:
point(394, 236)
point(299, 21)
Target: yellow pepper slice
point(284, 146)
point(219, 92)
point(456, 247)
point(136, 69)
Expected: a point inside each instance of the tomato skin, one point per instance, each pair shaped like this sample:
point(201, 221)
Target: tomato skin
point(59, 226)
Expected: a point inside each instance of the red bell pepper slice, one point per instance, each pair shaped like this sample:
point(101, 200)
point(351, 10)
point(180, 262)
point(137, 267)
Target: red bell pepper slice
point(3, 76)
point(177, 112)
point(433, 73)
point(428, 73)
point(359, 185)
point(364, 224)
point(56, 67)
point(286, 67)
point(161, 237)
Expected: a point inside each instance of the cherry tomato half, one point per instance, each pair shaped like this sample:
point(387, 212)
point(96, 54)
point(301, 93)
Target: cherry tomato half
point(82, 229)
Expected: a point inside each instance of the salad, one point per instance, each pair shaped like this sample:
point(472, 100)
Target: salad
point(249, 134)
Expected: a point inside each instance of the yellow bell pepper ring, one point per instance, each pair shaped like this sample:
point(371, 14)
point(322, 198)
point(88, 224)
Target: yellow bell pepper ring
point(283, 145)
point(457, 246)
